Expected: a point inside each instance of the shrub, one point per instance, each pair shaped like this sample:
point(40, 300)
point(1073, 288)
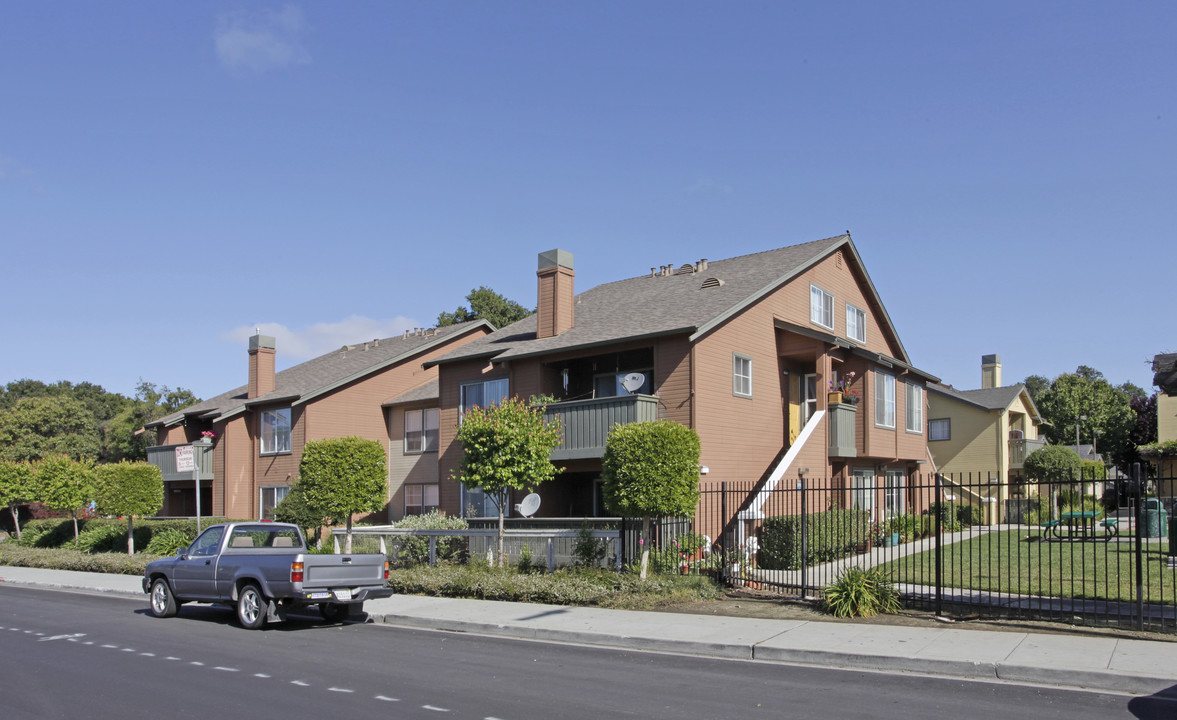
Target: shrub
point(953, 516)
point(414, 550)
point(830, 535)
point(100, 537)
point(168, 540)
point(860, 593)
point(587, 550)
point(67, 559)
point(911, 527)
point(1053, 464)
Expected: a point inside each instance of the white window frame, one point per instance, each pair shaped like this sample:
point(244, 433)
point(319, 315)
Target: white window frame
point(421, 498)
point(863, 487)
point(422, 438)
point(915, 409)
point(856, 323)
point(464, 389)
point(808, 392)
point(278, 493)
point(944, 434)
point(275, 442)
point(894, 482)
point(884, 400)
point(821, 307)
point(741, 375)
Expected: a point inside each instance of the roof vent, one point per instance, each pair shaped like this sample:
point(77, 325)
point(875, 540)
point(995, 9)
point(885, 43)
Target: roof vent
point(711, 282)
point(687, 269)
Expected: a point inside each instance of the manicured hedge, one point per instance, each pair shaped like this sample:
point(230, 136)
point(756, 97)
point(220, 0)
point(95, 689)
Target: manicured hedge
point(60, 559)
point(830, 535)
point(97, 534)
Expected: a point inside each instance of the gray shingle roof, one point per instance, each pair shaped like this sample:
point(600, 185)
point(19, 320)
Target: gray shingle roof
point(1164, 368)
point(320, 375)
point(985, 398)
point(428, 391)
point(648, 306)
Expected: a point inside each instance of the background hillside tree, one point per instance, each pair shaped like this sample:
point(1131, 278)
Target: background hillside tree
point(128, 489)
point(1107, 409)
point(344, 476)
point(37, 427)
point(651, 469)
point(16, 488)
point(123, 441)
point(65, 484)
point(1143, 432)
point(507, 447)
point(485, 304)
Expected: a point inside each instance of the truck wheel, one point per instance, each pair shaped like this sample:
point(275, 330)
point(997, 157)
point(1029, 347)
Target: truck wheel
point(334, 612)
point(163, 603)
point(251, 607)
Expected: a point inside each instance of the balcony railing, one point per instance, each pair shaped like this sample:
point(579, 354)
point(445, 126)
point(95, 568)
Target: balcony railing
point(841, 430)
point(1019, 448)
point(587, 422)
point(164, 457)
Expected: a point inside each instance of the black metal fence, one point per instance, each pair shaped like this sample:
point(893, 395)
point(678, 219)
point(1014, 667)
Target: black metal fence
point(1087, 550)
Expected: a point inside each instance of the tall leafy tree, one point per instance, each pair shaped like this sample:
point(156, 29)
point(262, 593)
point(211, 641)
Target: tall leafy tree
point(1103, 407)
point(651, 469)
point(128, 489)
point(65, 484)
point(16, 488)
point(36, 427)
point(1144, 429)
point(123, 439)
point(485, 304)
point(507, 447)
point(343, 476)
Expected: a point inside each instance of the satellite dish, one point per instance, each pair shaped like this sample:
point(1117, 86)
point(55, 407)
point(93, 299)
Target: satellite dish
point(529, 505)
point(633, 382)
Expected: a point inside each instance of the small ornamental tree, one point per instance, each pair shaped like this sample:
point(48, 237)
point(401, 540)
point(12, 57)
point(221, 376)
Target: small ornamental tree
point(130, 489)
point(343, 476)
point(65, 484)
point(651, 469)
point(507, 447)
point(16, 488)
point(297, 510)
point(1053, 464)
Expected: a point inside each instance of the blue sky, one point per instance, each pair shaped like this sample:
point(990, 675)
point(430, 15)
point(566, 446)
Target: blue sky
point(173, 175)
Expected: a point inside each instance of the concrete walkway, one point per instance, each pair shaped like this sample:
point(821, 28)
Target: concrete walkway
point(1095, 663)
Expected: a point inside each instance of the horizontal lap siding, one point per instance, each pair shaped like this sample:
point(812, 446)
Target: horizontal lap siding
point(237, 441)
point(972, 442)
point(405, 468)
point(449, 460)
point(672, 375)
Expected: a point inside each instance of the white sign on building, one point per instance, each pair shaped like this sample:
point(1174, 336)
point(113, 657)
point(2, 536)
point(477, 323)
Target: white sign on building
point(185, 459)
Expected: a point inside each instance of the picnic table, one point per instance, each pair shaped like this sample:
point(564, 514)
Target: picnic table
point(1081, 525)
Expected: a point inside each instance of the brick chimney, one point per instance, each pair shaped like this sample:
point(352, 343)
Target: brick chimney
point(555, 274)
point(261, 365)
point(990, 371)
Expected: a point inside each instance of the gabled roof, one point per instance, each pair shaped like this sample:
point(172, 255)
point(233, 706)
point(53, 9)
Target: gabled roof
point(313, 378)
point(1000, 398)
point(423, 393)
point(688, 301)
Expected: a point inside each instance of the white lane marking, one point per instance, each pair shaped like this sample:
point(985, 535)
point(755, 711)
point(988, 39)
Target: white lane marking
point(299, 683)
point(340, 690)
point(115, 647)
point(434, 709)
point(71, 638)
point(169, 657)
point(197, 663)
point(387, 699)
point(30, 632)
point(260, 675)
point(89, 642)
point(225, 669)
point(132, 649)
point(41, 634)
point(151, 654)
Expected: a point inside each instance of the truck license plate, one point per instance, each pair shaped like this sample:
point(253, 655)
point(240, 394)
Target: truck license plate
point(344, 594)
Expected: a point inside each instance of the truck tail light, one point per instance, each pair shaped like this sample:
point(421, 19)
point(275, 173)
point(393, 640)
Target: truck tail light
point(385, 569)
point(295, 572)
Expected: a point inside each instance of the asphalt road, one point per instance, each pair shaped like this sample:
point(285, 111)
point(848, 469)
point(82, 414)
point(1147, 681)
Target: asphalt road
point(66, 655)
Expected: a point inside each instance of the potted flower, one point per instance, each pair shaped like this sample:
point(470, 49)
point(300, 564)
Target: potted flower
point(839, 389)
point(207, 436)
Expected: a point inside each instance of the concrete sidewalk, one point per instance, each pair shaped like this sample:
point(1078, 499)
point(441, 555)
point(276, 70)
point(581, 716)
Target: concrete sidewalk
point(1095, 663)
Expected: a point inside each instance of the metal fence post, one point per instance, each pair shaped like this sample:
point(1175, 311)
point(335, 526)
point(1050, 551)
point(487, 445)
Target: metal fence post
point(939, 548)
point(804, 540)
point(723, 524)
point(1138, 492)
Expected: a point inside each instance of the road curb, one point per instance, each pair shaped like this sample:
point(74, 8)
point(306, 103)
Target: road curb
point(66, 587)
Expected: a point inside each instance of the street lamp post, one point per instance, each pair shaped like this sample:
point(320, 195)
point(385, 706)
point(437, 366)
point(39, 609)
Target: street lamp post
point(1078, 420)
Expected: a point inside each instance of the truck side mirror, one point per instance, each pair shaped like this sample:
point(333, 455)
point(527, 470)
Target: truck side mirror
point(182, 551)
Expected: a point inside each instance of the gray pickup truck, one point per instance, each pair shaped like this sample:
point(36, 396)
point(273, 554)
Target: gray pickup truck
point(264, 570)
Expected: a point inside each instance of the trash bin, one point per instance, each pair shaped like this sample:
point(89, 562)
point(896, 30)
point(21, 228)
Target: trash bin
point(1154, 518)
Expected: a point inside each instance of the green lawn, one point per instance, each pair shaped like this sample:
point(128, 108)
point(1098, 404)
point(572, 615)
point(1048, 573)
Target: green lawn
point(1020, 562)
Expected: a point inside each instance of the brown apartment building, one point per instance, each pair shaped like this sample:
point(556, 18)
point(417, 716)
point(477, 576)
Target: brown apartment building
point(743, 350)
point(249, 440)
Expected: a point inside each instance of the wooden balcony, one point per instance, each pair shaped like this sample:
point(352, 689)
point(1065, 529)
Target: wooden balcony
point(842, 418)
point(587, 422)
point(1020, 448)
point(164, 457)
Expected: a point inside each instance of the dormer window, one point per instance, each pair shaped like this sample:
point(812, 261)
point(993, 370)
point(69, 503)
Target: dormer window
point(821, 307)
